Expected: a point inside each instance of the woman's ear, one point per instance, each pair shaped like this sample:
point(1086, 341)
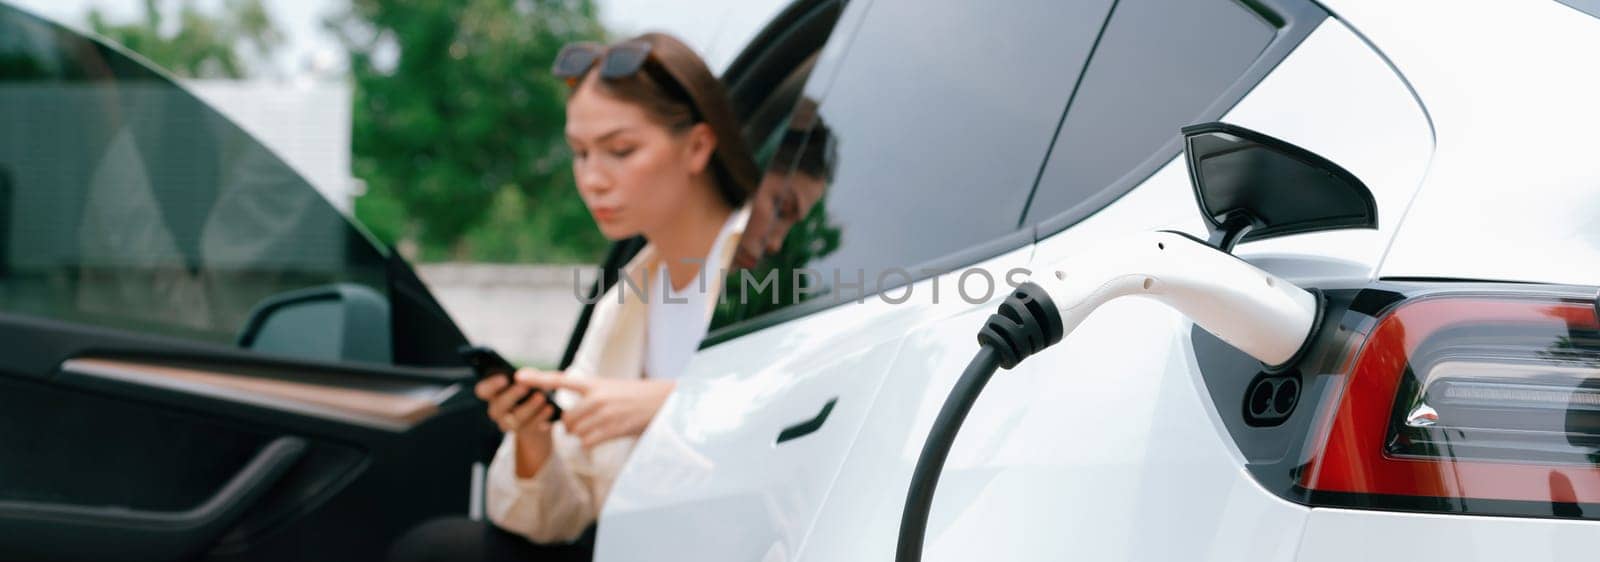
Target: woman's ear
point(702, 144)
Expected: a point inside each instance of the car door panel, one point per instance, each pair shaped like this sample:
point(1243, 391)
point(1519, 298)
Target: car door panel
point(715, 454)
point(711, 458)
point(57, 530)
point(928, 153)
point(200, 356)
point(341, 397)
point(225, 455)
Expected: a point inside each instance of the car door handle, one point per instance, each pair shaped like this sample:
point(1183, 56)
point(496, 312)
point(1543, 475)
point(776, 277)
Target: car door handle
point(807, 427)
point(76, 532)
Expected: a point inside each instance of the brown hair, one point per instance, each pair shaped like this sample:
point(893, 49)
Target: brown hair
point(676, 88)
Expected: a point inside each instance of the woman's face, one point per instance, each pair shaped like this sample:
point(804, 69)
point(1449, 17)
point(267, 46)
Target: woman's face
point(633, 173)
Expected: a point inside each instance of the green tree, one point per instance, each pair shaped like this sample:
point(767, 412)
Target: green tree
point(458, 127)
point(205, 45)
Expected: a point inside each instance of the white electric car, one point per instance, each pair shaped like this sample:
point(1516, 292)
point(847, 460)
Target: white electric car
point(1367, 331)
point(1447, 407)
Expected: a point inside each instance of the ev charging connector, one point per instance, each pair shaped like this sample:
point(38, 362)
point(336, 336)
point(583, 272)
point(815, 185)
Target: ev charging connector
point(1255, 311)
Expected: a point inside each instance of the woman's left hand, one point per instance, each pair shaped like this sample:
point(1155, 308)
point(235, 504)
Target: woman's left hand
point(611, 408)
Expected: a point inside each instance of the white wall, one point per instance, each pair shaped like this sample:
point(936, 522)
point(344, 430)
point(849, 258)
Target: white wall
point(525, 312)
point(306, 123)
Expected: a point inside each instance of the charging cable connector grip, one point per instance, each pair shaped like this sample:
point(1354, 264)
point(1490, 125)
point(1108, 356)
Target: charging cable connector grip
point(1250, 309)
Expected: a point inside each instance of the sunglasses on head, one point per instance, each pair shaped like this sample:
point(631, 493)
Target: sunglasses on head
point(616, 61)
point(619, 61)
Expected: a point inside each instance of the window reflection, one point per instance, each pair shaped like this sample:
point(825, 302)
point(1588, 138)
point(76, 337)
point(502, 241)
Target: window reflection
point(788, 227)
point(912, 157)
point(126, 202)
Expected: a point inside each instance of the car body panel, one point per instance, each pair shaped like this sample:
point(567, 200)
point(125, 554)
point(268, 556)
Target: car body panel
point(1092, 445)
point(1337, 98)
point(1023, 484)
point(1513, 192)
point(710, 459)
point(1345, 534)
point(1029, 479)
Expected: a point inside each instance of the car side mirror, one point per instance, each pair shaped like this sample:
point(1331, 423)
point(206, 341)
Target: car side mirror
point(339, 322)
point(1251, 186)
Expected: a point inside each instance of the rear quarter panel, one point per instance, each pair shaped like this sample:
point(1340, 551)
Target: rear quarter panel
point(1108, 446)
point(1513, 192)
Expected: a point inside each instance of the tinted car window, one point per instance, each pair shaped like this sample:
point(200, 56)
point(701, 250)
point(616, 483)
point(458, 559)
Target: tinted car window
point(1158, 67)
point(926, 144)
point(127, 203)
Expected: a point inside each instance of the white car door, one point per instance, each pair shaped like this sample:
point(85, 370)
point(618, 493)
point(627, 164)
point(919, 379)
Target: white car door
point(932, 151)
point(1108, 446)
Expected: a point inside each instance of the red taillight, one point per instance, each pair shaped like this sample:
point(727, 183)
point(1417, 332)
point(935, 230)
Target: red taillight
point(1494, 398)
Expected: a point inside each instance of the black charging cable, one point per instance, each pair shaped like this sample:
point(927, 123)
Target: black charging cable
point(1026, 323)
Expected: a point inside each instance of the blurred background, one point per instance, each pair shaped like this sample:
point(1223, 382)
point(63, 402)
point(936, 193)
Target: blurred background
point(435, 123)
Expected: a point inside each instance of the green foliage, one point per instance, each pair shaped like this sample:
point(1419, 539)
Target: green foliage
point(458, 127)
point(204, 46)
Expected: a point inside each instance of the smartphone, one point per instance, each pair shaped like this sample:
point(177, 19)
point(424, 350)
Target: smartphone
point(487, 363)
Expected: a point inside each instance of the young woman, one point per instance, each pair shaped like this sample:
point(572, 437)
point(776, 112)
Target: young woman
point(656, 152)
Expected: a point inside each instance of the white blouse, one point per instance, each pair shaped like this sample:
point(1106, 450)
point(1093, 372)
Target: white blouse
point(677, 318)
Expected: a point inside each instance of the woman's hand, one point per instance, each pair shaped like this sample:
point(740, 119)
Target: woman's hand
point(529, 422)
point(610, 409)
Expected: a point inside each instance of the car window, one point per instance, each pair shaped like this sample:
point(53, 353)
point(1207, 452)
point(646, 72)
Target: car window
point(765, 81)
point(925, 145)
point(1158, 67)
point(127, 203)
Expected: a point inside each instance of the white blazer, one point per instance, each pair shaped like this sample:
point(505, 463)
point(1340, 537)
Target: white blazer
point(565, 496)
